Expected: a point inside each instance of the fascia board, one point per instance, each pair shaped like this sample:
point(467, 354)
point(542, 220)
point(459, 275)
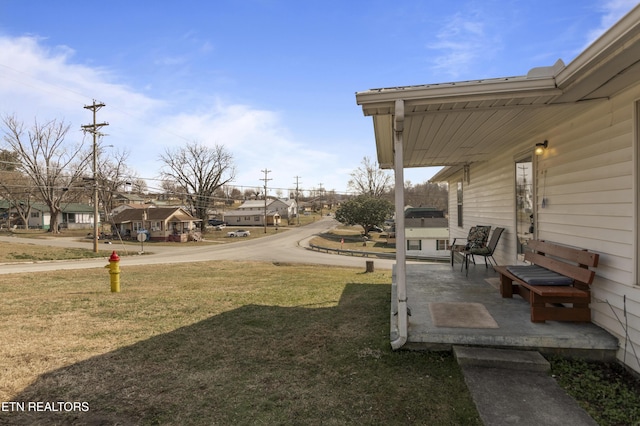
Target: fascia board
point(602, 49)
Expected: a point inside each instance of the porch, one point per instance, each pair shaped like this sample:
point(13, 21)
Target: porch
point(449, 308)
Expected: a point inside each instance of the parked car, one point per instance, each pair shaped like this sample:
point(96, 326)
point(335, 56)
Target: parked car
point(238, 233)
point(220, 227)
point(375, 229)
point(216, 222)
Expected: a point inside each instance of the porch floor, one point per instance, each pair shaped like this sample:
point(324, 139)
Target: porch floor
point(441, 284)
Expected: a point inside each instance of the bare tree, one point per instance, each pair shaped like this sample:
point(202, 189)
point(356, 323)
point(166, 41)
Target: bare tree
point(235, 194)
point(427, 194)
point(52, 165)
point(370, 180)
point(15, 187)
point(113, 176)
point(252, 193)
point(199, 171)
point(171, 190)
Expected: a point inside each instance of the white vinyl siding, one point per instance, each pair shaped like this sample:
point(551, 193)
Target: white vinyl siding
point(587, 177)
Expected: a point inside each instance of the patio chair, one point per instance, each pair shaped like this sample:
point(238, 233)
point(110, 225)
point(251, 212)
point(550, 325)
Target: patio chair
point(484, 251)
point(478, 236)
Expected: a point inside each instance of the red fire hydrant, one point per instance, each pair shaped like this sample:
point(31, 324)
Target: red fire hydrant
point(114, 271)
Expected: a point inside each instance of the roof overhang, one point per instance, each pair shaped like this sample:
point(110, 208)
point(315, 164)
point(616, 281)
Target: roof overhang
point(453, 124)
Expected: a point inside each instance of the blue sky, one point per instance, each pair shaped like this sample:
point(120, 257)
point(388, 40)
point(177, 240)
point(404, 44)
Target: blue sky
point(274, 81)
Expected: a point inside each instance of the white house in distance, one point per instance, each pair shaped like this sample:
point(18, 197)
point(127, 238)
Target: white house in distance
point(251, 212)
point(250, 218)
point(583, 190)
point(426, 233)
point(286, 209)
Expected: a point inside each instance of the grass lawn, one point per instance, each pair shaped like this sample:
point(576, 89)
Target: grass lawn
point(350, 238)
point(217, 343)
point(16, 252)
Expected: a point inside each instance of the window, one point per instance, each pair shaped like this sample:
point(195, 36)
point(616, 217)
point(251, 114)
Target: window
point(35, 214)
point(414, 245)
point(256, 218)
point(460, 222)
point(525, 226)
point(442, 245)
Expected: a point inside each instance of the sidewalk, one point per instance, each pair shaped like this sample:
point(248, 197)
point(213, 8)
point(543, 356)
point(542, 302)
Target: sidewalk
point(513, 387)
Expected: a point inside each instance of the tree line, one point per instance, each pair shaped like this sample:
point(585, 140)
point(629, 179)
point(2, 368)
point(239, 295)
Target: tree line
point(39, 164)
point(373, 204)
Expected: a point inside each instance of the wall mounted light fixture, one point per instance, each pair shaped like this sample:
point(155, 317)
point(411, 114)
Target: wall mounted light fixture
point(541, 147)
point(466, 174)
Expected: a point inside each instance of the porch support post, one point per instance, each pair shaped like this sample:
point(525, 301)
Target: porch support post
point(401, 267)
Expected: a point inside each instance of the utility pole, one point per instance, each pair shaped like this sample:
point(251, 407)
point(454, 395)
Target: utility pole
point(93, 129)
point(297, 205)
point(265, 179)
point(320, 196)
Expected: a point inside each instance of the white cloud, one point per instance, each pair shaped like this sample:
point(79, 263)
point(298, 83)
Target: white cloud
point(613, 11)
point(257, 139)
point(44, 84)
point(462, 40)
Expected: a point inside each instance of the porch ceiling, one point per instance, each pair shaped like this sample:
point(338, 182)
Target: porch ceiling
point(459, 123)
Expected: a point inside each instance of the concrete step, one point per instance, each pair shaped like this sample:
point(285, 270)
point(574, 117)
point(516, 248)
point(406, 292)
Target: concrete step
point(501, 358)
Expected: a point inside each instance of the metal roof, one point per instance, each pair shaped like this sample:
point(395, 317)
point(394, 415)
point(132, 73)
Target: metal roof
point(453, 124)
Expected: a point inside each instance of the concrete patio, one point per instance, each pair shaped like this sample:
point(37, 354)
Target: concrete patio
point(434, 286)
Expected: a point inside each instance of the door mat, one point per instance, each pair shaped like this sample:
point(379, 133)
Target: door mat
point(494, 282)
point(461, 315)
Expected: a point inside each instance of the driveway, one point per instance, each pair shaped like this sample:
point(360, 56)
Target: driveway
point(287, 247)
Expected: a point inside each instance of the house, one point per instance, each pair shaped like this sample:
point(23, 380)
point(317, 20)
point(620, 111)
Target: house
point(126, 198)
point(582, 190)
point(285, 208)
point(251, 217)
point(71, 216)
point(159, 223)
point(251, 212)
point(426, 233)
point(427, 237)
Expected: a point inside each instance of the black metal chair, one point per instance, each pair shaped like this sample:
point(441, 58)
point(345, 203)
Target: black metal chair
point(478, 236)
point(486, 251)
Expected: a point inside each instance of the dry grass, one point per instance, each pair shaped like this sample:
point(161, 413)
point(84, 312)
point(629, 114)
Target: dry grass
point(16, 252)
point(350, 238)
point(218, 343)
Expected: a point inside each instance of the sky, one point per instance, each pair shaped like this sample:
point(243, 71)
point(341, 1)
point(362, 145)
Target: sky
point(273, 81)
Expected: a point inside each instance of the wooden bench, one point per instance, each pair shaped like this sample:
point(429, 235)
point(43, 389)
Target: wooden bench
point(556, 285)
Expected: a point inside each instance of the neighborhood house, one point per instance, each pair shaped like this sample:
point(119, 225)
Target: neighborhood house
point(426, 233)
point(252, 213)
point(159, 223)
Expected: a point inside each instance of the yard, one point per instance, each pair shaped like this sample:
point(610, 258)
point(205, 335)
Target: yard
point(205, 344)
point(237, 342)
point(350, 238)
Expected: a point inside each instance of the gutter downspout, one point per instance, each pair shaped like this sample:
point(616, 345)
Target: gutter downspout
point(401, 275)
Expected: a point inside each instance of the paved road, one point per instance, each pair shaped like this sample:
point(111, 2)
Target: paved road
point(286, 247)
